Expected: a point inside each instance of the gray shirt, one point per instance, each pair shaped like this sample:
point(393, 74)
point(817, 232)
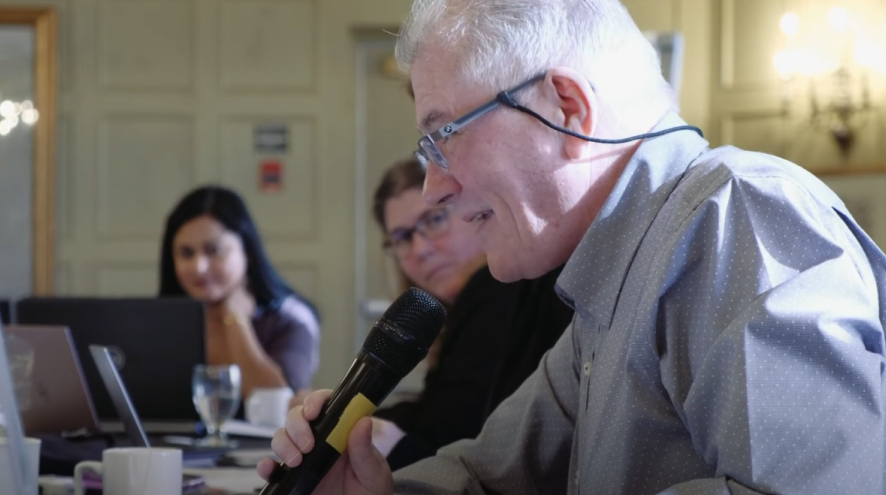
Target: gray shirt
point(728, 339)
point(290, 335)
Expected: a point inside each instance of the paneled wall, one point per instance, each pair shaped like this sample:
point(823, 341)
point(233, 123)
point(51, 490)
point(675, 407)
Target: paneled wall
point(158, 96)
point(692, 18)
point(746, 89)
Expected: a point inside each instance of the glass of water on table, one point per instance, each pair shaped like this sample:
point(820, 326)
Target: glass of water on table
point(216, 394)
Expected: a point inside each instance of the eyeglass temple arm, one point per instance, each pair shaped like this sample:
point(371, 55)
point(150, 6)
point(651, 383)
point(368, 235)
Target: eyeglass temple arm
point(457, 124)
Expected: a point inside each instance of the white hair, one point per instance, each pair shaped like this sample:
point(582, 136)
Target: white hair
point(502, 42)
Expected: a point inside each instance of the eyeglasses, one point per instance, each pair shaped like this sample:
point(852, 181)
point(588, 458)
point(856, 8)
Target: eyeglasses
point(431, 225)
point(428, 152)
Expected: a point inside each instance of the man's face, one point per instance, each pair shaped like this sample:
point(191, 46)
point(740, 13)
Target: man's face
point(509, 175)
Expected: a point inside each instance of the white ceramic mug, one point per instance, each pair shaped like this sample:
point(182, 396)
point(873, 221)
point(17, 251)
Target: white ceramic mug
point(32, 447)
point(135, 471)
point(268, 406)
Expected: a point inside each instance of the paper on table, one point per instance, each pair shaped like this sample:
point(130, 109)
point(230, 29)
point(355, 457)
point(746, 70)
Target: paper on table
point(238, 480)
point(245, 429)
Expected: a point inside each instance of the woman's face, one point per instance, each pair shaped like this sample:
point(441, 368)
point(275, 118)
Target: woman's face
point(209, 259)
point(442, 255)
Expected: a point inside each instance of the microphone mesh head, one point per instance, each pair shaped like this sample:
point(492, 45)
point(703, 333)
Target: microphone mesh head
point(402, 336)
point(417, 314)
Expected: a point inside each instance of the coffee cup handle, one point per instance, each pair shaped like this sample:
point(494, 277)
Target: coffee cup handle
point(94, 466)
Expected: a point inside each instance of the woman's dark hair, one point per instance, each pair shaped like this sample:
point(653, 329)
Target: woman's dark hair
point(229, 209)
point(402, 176)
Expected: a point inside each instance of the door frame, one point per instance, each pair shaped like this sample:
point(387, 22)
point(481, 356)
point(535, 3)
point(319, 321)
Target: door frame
point(44, 20)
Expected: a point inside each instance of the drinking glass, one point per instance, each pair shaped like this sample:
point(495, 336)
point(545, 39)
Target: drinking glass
point(216, 394)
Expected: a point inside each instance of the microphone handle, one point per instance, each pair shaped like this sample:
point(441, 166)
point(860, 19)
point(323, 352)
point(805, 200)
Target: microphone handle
point(364, 387)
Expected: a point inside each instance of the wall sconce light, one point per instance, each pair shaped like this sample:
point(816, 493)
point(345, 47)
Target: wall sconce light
point(832, 63)
point(11, 113)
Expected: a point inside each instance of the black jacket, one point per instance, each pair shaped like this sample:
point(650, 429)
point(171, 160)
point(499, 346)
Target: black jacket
point(495, 336)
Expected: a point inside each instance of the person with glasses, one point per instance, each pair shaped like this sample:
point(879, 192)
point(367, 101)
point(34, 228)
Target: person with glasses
point(729, 310)
point(491, 341)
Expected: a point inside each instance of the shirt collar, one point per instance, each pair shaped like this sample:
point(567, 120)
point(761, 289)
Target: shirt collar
point(640, 192)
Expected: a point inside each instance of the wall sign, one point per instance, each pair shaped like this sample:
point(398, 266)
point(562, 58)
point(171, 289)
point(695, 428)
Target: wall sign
point(271, 139)
point(270, 176)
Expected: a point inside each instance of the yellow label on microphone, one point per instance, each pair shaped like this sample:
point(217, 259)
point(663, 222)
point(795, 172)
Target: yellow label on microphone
point(359, 407)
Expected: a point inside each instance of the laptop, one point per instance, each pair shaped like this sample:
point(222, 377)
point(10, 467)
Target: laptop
point(135, 432)
point(17, 471)
point(155, 344)
point(6, 316)
point(60, 401)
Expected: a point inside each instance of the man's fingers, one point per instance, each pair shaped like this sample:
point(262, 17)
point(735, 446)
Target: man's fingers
point(314, 402)
point(265, 467)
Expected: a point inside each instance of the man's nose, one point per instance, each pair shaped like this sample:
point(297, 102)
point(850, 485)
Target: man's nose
point(440, 186)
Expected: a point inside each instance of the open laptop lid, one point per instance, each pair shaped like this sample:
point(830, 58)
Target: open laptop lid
point(23, 473)
point(60, 400)
point(126, 410)
point(108, 371)
point(140, 333)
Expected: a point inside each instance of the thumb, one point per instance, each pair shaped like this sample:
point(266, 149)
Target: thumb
point(370, 467)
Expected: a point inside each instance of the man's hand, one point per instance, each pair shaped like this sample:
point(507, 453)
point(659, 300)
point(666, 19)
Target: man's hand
point(362, 470)
point(299, 397)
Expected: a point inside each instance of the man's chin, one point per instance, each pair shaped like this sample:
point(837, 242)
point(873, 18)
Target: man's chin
point(510, 267)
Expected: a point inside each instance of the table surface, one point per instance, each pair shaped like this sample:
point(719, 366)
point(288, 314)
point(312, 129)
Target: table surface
point(230, 480)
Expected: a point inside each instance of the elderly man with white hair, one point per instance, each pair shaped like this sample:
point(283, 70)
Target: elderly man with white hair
point(729, 311)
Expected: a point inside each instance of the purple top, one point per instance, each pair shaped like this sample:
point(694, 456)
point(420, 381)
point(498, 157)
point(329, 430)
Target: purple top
point(290, 335)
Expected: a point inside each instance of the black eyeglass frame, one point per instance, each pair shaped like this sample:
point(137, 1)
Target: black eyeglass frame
point(419, 228)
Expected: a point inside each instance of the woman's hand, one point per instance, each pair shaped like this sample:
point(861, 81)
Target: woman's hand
point(237, 309)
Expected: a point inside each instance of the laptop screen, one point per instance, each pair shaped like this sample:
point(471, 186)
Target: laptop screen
point(133, 426)
point(155, 344)
point(23, 474)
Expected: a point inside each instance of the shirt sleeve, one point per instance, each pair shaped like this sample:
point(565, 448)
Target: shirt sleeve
point(294, 343)
point(524, 446)
point(786, 395)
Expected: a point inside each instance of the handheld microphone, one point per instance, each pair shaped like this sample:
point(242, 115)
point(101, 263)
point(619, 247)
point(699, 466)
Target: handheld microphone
point(397, 342)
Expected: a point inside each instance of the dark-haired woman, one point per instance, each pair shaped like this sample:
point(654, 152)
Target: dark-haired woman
point(212, 252)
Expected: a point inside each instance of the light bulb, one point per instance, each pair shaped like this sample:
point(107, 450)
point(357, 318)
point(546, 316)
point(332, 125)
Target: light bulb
point(4, 127)
point(838, 19)
point(790, 24)
point(30, 116)
point(27, 105)
point(785, 63)
point(7, 108)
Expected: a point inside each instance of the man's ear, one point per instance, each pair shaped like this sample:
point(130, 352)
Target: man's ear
point(576, 103)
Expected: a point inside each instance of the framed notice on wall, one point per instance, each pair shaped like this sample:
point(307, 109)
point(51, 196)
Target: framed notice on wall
point(864, 194)
point(271, 139)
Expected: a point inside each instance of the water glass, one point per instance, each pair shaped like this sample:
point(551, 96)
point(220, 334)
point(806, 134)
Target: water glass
point(216, 394)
